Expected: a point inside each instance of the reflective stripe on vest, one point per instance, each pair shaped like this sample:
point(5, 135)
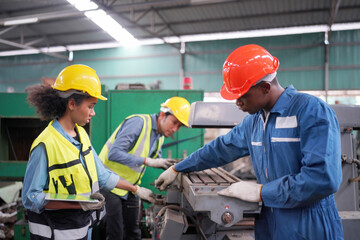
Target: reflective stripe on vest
point(67, 174)
point(141, 148)
point(45, 231)
point(39, 224)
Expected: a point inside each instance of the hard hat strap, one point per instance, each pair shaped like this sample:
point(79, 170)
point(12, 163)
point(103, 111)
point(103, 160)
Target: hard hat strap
point(267, 78)
point(166, 110)
point(66, 94)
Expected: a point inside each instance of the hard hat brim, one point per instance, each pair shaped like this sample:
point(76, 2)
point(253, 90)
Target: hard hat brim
point(101, 98)
point(228, 95)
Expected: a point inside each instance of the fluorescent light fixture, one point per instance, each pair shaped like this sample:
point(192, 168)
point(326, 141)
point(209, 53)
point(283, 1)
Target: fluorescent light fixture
point(112, 27)
point(83, 5)
point(106, 22)
point(20, 21)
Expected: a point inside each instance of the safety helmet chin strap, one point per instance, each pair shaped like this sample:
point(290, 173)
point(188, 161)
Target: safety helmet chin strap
point(166, 110)
point(66, 94)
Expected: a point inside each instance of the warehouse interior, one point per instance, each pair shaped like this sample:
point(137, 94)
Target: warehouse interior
point(146, 51)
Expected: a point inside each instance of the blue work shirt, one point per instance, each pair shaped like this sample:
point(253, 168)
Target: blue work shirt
point(126, 139)
point(36, 175)
point(295, 153)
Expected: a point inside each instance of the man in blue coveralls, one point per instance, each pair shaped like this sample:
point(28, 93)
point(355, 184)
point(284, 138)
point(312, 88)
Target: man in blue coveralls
point(294, 143)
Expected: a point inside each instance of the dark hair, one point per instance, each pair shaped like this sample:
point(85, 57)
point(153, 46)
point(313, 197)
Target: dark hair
point(48, 103)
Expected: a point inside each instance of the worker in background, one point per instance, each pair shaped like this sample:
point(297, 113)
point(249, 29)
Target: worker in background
point(63, 161)
point(135, 144)
point(293, 140)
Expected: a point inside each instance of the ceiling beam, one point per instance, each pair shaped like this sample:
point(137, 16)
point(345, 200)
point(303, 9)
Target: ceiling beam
point(22, 46)
point(335, 4)
point(7, 29)
point(165, 22)
point(167, 3)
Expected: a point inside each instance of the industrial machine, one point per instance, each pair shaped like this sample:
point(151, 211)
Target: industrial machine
point(347, 197)
point(192, 209)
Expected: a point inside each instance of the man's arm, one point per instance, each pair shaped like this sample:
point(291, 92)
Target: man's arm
point(219, 152)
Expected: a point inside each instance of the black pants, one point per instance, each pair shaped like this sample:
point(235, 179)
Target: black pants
point(122, 217)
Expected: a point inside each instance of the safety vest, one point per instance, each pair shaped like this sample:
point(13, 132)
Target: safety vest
point(66, 175)
point(141, 148)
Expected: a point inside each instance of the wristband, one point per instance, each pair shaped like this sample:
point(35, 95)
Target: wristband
point(260, 192)
point(174, 170)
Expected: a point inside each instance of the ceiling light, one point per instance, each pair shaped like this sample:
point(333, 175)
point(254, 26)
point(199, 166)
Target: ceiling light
point(106, 22)
point(20, 21)
point(113, 28)
point(83, 5)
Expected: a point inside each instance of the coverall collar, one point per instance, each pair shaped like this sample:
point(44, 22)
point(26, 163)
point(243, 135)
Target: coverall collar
point(282, 104)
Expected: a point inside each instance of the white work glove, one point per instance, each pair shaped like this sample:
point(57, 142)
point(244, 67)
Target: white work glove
point(166, 178)
point(244, 190)
point(86, 206)
point(159, 162)
point(145, 194)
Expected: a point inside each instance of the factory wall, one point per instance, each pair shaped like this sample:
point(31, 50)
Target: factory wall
point(301, 58)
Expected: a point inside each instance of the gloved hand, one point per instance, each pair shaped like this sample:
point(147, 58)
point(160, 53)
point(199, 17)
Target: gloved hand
point(145, 194)
point(86, 206)
point(159, 162)
point(244, 190)
point(166, 178)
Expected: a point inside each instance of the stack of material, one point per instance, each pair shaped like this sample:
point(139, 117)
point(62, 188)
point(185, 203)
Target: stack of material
point(8, 218)
point(126, 86)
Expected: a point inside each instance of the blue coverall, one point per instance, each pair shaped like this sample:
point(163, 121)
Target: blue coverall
point(295, 153)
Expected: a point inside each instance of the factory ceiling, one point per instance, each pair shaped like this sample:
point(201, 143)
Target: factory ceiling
point(58, 23)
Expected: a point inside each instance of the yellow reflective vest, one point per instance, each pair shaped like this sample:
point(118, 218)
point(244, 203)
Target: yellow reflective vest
point(67, 174)
point(141, 148)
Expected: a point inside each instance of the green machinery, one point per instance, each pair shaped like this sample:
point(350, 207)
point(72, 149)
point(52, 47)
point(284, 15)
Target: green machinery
point(19, 126)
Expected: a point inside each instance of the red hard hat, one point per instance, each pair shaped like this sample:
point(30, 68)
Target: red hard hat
point(244, 67)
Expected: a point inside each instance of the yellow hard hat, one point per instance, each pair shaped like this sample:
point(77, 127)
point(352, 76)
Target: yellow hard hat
point(180, 107)
point(79, 77)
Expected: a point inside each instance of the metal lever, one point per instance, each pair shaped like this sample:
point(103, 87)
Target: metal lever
point(350, 161)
